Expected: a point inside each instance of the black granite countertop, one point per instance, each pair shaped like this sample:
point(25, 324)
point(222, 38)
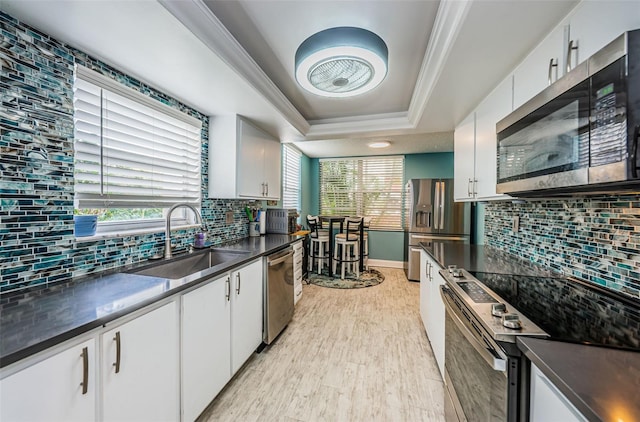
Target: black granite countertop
point(41, 317)
point(481, 258)
point(602, 383)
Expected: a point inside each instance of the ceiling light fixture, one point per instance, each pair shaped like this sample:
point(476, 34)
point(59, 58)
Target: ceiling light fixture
point(380, 144)
point(341, 62)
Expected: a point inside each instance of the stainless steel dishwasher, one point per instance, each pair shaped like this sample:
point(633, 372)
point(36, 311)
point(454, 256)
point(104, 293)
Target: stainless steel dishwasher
point(278, 298)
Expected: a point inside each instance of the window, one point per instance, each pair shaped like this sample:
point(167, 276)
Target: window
point(370, 186)
point(134, 156)
point(290, 177)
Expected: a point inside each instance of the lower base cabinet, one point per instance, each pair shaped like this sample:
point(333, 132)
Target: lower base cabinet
point(548, 403)
point(431, 306)
point(140, 368)
point(59, 388)
point(206, 345)
point(133, 371)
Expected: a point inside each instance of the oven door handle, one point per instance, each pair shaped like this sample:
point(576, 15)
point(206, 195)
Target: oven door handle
point(499, 362)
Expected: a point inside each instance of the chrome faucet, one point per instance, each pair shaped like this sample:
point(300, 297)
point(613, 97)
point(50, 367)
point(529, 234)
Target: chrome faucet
point(167, 227)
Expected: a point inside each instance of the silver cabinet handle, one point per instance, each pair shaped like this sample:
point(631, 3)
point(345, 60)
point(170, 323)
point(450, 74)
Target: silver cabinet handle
point(228, 289)
point(117, 362)
point(551, 66)
point(469, 187)
point(237, 283)
point(570, 48)
point(475, 187)
point(262, 189)
point(267, 184)
point(85, 370)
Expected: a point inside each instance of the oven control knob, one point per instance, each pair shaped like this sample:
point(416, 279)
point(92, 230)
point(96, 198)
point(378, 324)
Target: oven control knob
point(511, 321)
point(457, 272)
point(498, 309)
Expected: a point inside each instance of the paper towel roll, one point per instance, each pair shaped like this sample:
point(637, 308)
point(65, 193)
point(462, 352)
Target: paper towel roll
point(263, 222)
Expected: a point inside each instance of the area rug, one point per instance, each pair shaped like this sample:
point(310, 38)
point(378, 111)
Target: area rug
point(368, 278)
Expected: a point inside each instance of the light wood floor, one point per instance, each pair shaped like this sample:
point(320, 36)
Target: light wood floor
point(348, 355)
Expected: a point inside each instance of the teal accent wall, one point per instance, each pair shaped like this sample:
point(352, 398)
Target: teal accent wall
point(387, 245)
point(307, 188)
point(425, 166)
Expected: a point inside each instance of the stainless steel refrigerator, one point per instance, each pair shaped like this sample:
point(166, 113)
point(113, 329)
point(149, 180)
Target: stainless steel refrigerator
point(432, 215)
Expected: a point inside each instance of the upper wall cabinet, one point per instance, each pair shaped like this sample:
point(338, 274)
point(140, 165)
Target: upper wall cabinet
point(475, 147)
point(244, 161)
point(594, 24)
point(588, 28)
point(541, 68)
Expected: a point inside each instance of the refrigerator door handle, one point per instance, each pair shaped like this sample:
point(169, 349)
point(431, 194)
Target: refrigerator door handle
point(436, 211)
point(442, 204)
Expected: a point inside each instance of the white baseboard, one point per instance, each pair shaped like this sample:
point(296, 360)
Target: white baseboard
point(385, 263)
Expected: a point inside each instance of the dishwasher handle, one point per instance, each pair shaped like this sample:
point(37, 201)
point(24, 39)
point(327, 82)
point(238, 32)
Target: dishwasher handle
point(275, 260)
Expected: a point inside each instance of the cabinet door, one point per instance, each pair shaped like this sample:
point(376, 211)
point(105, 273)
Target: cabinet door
point(425, 284)
point(494, 108)
point(206, 345)
point(532, 75)
point(436, 318)
point(595, 24)
point(53, 390)
point(250, 169)
point(145, 388)
point(272, 168)
point(464, 159)
point(548, 403)
point(246, 313)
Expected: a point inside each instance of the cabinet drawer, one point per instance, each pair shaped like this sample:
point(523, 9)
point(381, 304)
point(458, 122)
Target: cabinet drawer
point(297, 276)
point(297, 261)
point(297, 247)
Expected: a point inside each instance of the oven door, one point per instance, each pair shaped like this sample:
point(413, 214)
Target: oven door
point(475, 367)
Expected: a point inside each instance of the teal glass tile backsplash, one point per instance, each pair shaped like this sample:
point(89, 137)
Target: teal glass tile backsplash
point(596, 239)
point(37, 245)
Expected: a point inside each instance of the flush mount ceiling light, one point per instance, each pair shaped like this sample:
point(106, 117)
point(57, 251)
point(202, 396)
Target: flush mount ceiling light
point(381, 144)
point(341, 62)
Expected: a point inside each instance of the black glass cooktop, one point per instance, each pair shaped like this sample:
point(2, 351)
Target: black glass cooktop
point(571, 310)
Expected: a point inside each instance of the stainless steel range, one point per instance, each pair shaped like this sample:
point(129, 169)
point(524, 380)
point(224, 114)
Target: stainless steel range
point(485, 375)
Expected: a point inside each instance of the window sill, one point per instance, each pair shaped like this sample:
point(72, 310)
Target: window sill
point(127, 233)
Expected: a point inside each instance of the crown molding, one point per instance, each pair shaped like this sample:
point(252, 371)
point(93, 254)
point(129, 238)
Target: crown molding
point(201, 21)
point(380, 124)
point(451, 15)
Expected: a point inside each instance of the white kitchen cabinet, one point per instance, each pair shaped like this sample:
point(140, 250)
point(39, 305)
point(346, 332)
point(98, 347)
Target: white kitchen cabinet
point(431, 306)
point(475, 146)
point(547, 403)
point(534, 73)
point(244, 161)
point(594, 24)
point(246, 313)
point(464, 158)
point(206, 345)
point(140, 368)
point(60, 388)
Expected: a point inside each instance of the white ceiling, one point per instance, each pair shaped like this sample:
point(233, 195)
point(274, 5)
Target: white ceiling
point(237, 56)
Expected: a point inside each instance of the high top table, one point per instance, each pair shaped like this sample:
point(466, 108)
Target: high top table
point(331, 219)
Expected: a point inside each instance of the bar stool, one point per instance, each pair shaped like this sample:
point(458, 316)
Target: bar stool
point(319, 238)
point(346, 250)
point(366, 222)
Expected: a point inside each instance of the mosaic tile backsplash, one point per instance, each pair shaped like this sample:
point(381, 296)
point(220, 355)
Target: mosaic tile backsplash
point(37, 244)
point(596, 239)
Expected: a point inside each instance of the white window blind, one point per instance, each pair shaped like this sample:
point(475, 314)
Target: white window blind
point(368, 186)
point(131, 151)
point(290, 177)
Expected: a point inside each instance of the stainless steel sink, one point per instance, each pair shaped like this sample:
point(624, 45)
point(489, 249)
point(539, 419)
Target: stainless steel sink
point(184, 266)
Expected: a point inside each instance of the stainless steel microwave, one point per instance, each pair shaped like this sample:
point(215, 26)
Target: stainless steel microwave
point(581, 133)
